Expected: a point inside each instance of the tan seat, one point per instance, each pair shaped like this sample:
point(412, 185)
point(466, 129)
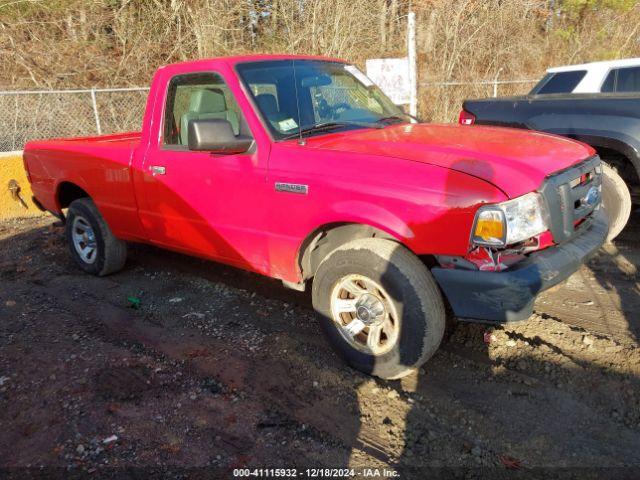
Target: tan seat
point(204, 104)
point(269, 107)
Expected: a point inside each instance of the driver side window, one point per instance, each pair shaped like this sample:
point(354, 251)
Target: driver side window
point(197, 96)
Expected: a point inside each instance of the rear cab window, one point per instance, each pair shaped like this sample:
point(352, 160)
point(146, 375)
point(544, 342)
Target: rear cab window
point(343, 90)
point(560, 82)
point(622, 80)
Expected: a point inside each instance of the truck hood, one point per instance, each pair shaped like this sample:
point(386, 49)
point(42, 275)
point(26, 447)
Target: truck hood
point(515, 161)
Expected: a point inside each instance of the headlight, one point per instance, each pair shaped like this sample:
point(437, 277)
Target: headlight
point(510, 222)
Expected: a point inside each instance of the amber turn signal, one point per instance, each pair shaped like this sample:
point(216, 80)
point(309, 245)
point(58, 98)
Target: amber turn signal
point(489, 228)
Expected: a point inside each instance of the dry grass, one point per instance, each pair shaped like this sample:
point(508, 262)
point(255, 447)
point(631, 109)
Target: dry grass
point(81, 43)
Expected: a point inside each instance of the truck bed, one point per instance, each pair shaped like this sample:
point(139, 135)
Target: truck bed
point(557, 113)
point(54, 164)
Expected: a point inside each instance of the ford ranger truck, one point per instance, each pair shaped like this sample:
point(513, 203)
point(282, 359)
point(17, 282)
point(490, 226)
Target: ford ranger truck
point(300, 169)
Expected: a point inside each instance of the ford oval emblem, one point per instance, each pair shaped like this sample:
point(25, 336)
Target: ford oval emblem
point(592, 197)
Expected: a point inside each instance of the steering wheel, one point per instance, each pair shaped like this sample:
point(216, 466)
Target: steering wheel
point(338, 108)
point(322, 106)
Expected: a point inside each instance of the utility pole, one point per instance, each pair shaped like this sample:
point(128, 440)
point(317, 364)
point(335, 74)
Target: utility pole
point(550, 15)
point(413, 70)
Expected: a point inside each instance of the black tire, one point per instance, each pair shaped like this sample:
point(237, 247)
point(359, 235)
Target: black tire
point(110, 253)
point(616, 201)
point(413, 293)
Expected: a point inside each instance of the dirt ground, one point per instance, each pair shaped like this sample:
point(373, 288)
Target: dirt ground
point(219, 369)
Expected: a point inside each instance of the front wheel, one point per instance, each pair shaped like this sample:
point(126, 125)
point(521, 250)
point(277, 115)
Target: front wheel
point(379, 307)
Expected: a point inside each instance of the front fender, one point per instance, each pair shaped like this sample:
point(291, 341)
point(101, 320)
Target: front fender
point(621, 143)
point(619, 133)
point(366, 213)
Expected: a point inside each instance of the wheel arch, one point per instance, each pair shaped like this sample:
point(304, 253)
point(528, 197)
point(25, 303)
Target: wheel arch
point(622, 162)
point(620, 152)
point(67, 192)
point(328, 237)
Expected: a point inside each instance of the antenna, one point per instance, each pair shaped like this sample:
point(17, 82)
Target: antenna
point(295, 87)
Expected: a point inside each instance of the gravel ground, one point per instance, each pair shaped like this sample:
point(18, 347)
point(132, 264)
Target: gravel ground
point(183, 368)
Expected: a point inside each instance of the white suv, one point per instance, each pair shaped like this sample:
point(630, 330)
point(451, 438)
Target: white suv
point(598, 77)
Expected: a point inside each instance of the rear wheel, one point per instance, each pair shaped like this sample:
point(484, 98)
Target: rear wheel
point(91, 242)
point(379, 307)
point(616, 200)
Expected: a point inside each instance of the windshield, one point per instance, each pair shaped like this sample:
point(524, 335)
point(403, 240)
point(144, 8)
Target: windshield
point(330, 96)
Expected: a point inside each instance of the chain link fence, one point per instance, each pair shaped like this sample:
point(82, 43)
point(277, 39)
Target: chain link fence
point(41, 114)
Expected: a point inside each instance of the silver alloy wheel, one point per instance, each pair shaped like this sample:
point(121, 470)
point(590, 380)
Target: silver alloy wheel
point(84, 239)
point(364, 315)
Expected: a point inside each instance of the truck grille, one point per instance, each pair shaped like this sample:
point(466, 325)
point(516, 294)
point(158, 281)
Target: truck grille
point(572, 196)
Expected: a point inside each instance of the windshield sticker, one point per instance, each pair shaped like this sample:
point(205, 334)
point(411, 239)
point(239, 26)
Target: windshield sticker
point(288, 124)
point(353, 70)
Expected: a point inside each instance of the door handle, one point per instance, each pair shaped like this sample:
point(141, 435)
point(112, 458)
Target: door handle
point(157, 170)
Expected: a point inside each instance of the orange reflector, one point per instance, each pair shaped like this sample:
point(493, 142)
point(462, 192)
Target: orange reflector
point(488, 228)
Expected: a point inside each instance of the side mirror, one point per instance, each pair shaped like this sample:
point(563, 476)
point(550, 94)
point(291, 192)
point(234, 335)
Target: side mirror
point(215, 135)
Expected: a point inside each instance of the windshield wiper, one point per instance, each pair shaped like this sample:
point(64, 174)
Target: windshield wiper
point(321, 127)
point(391, 119)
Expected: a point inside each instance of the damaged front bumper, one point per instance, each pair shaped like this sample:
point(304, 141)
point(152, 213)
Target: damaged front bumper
point(509, 295)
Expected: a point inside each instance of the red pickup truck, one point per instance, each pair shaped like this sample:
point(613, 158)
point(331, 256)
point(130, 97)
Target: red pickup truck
point(299, 168)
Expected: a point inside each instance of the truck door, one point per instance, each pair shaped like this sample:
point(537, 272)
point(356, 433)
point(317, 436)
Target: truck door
point(198, 202)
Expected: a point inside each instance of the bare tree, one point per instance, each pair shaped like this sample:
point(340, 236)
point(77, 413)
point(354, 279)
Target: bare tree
point(81, 43)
